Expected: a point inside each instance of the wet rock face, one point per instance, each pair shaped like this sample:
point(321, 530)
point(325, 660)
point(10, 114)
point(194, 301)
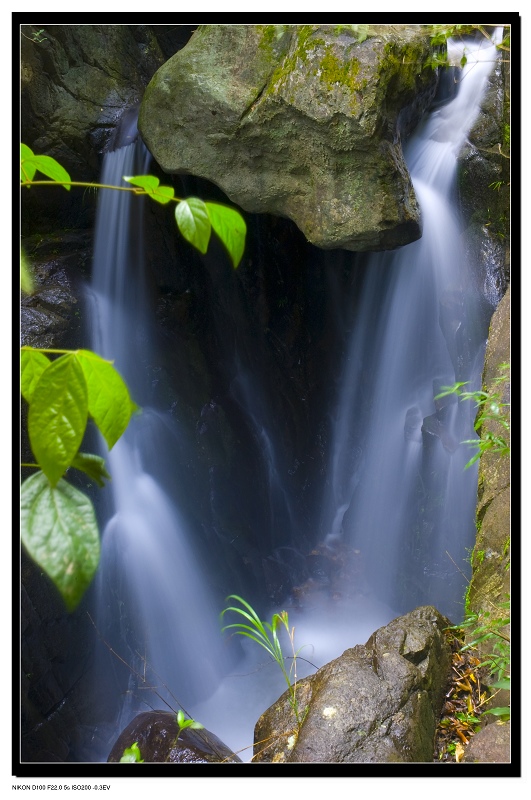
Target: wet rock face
point(299, 121)
point(484, 188)
point(51, 315)
point(378, 702)
point(76, 81)
point(491, 577)
point(158, 738)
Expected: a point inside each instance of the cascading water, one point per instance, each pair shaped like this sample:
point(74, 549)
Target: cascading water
point(398, 492)
point(397, 503)
point(154, 607)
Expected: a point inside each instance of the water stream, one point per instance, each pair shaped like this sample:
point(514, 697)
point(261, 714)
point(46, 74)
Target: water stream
point(151, 589)
point(396, 498)
point(398, 492)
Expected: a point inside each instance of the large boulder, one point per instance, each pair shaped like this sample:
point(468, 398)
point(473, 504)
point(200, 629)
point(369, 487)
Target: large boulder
point(378, 702)
point(301, 121)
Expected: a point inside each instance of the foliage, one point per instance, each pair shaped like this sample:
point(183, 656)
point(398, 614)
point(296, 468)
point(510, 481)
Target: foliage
point(58, 523)
point(492, 420)
point(132, 754)
point(184, 723)
point(487, 629)
point(493, 426)
point(195, 218)
point(36, 36)
point(441, 33)
point(265, 634)
point(464, 698)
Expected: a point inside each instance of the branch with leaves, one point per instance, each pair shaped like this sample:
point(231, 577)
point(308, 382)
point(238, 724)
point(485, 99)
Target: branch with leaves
point(195, 218)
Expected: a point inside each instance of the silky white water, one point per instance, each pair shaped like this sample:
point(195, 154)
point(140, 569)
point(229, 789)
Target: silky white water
point(398, 491)
point(154, 606)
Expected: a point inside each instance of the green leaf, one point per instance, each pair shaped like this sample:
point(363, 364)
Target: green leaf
point(184, 723)
point(58, 416)
point(30, 164)
point(26, 276)
point(231, 229)
point(93, 466)
point(499, 712)
point(446, 390)
point(60, 532)
point(163, 194)
point(150, 184)
point(132, 754)
point(109, 402)
point(463, 61)
point(147, 182)
point(473, 460)
point(193, 221)
point(32, 365)
point(27, 166)
point(503, 683)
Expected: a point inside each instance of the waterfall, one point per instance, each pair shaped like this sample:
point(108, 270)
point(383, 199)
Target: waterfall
point(397, 504)
point(154, 608)
point(398, 493)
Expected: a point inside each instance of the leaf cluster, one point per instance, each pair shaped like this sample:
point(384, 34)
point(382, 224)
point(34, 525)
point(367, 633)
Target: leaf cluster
point(184, 722)
point(441, 33)
point(58, 523)
point(487, 628)
point(492, 420)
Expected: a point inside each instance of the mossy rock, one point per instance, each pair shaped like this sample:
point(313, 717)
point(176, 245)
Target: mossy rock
point(301, 121)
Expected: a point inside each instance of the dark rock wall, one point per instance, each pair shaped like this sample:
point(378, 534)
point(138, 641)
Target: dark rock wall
point(484, 188)
point(76, 81)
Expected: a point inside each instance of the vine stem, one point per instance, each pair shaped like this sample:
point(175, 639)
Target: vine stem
point(89, 185)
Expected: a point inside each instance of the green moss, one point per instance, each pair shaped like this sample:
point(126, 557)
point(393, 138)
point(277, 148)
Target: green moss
point(399, 66)
point(468, 603)
point(271, 38)
point(289, 63)
point(506, 136)
point(335, 71)
point(331, 70)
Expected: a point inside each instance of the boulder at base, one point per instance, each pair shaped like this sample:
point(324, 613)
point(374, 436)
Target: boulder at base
point(378, 702)
point(158, 738)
